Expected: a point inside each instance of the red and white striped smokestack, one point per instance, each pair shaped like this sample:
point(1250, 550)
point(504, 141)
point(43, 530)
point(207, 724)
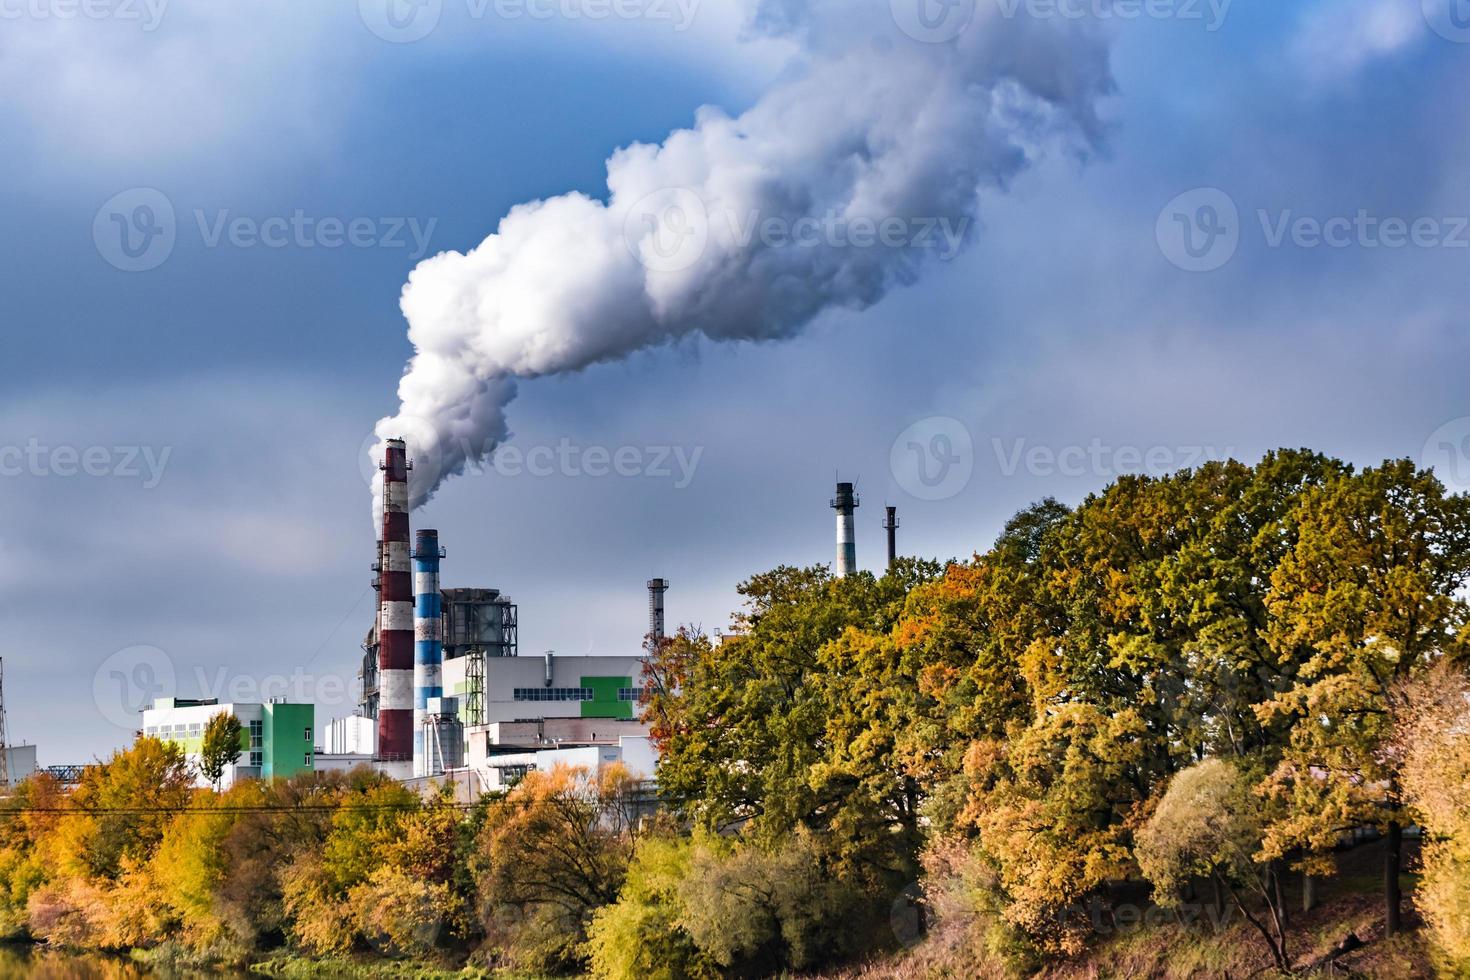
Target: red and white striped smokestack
point(395, 621)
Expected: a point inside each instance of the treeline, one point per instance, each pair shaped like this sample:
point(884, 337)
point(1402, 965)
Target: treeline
point(1205, 681)
point(1216, 676)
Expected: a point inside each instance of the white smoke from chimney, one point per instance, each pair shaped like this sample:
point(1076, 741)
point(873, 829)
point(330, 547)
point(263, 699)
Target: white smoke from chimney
point(747, 228)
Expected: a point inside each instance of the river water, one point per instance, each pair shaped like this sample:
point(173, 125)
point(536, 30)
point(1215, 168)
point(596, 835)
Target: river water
point(49, 964)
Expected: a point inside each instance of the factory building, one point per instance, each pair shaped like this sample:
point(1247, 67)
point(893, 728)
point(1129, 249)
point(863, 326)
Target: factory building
point(502, 770)
point(551, 687)
point(277, 740)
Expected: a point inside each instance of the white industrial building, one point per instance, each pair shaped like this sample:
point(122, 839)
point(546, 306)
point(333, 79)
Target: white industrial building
point(277, 739)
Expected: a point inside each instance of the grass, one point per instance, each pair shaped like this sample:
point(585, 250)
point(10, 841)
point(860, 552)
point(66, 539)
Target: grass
point(1350, 903)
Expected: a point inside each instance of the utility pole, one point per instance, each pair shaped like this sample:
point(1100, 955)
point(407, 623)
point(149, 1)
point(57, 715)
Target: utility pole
point(4, 739)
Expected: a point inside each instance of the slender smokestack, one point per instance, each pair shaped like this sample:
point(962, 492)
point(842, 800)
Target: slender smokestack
point(656, 589)
point(428, 649)
point(395, 620)
point(845, 503)
point(890, 524)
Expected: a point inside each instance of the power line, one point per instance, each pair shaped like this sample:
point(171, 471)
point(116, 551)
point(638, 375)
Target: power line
point(238, 809)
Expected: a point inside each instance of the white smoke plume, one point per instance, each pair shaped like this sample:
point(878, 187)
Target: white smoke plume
point(866, 161)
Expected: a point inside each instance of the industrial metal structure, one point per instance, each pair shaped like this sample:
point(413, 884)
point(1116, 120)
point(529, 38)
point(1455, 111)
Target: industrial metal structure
point(428, 647)
point(845, 503)
point(890, 524)
point(656, 589)
point(478, 624)
point(395, 620)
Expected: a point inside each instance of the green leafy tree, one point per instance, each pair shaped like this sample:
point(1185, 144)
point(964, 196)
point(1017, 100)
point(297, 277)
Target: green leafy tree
point(642, 935)
point(1368, 597)
point(221, 746)
point(1209, 824)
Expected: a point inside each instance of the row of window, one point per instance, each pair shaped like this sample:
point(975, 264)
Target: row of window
point(571, 694)
point(174, 731)
point(553, 694)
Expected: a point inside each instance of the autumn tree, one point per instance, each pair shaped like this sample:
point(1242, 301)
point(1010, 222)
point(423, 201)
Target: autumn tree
point(221, 746)
point(1209, 825)
point(1368, 597)
point(1433, 740)
point(550, 854)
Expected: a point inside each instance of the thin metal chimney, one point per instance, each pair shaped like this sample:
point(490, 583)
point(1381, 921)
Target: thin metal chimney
point(428, 649)
point(656, 589)
point(845, 503)
point(890, 524)
point(395, 620)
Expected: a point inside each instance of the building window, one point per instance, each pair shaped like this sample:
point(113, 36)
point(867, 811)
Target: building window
point(256, 758)
point(257, 734)
point(308, 759)
point(630, 693)
point(308, 735)
point(553, 694)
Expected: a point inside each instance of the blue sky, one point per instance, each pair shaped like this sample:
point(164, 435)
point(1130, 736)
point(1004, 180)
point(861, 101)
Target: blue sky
point(1065, 345)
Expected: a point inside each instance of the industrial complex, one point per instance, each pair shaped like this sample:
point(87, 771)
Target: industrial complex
point(446, 696)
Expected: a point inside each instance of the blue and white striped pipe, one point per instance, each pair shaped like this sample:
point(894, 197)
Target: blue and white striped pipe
point(428, 648)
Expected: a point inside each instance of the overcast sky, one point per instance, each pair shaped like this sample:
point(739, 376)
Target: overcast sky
point(184, 428)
